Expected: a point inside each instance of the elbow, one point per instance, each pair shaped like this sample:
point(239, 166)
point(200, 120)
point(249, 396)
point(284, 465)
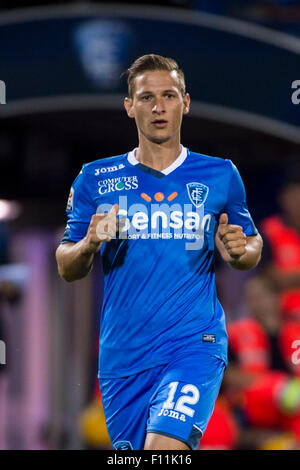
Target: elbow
point(65, 276)
point(63, 273)
point(246, 263)
point(258, 260)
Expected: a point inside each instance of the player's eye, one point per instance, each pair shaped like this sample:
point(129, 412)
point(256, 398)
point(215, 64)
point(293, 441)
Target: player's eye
point(169, 95)
point(146, 97)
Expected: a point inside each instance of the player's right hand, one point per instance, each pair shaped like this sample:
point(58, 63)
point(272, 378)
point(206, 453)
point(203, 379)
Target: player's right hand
point(102, 228)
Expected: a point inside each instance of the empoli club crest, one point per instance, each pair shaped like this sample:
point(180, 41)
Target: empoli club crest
point(122, 445)
point(197, 193)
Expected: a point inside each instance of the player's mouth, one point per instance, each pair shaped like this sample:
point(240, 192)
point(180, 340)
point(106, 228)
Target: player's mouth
point(160, 123)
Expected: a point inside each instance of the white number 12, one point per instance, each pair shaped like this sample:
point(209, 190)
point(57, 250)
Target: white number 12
point(181, 402)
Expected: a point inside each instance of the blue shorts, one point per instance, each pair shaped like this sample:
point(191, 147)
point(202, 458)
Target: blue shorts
point(175, 399)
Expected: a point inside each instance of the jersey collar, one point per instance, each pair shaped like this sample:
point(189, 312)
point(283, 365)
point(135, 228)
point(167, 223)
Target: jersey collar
point(179, 161)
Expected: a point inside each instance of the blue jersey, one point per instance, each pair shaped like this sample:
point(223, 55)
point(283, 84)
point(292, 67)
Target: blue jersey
point(159, 284)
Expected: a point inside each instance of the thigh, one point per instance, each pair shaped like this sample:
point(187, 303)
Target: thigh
point(161, 442)
point(183, 401)
point(126, 407)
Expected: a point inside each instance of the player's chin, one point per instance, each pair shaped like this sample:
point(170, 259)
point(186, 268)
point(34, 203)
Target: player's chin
point(159, 139)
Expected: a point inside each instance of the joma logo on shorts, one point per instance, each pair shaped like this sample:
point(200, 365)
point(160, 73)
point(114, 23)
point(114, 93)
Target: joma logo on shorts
point(171, 414)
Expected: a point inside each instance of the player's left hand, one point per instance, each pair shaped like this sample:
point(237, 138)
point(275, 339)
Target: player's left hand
point(230, 239)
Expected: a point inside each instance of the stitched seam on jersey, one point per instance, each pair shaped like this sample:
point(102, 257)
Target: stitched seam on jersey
point(180, 160)
point(194, 426)
point(181, 157)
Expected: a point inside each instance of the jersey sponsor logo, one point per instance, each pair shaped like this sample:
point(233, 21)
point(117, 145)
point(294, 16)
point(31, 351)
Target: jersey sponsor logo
point(108, 169)
point(123, 445)
point(161, 221)
point(197, 193)
point(159, 196)
point(70, 200)
point(118, 184)
point(162, 218)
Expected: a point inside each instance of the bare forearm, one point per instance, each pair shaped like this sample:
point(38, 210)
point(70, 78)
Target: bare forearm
point(252, 256)
point(73, 261)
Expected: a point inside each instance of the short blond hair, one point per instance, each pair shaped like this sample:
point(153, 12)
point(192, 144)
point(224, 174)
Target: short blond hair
point(151, 62)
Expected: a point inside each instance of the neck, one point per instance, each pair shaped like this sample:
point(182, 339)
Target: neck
point(158, 156)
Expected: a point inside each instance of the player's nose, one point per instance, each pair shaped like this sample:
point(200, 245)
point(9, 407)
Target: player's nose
point(158, 106)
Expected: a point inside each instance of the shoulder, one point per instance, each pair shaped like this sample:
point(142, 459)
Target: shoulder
point(104, 165)
point(220, 169)
point(211, 160)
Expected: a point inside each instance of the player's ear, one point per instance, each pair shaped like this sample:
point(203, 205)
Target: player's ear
point(128, 106)
point(186, 103)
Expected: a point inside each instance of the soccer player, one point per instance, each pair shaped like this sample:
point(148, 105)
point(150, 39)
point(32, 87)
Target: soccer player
point(153, 214)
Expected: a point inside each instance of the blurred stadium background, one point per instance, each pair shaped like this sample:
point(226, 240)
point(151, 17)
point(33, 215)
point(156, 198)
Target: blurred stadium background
point(61, 64)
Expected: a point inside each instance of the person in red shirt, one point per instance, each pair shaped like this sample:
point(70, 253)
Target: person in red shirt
point(262, 381)
point(281, 255)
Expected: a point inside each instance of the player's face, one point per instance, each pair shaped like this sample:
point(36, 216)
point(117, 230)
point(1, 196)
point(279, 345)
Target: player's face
point(157, 105)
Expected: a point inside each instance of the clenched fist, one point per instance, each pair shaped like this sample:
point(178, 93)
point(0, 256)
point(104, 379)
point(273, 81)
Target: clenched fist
point(102, 228)
point(230, 239)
